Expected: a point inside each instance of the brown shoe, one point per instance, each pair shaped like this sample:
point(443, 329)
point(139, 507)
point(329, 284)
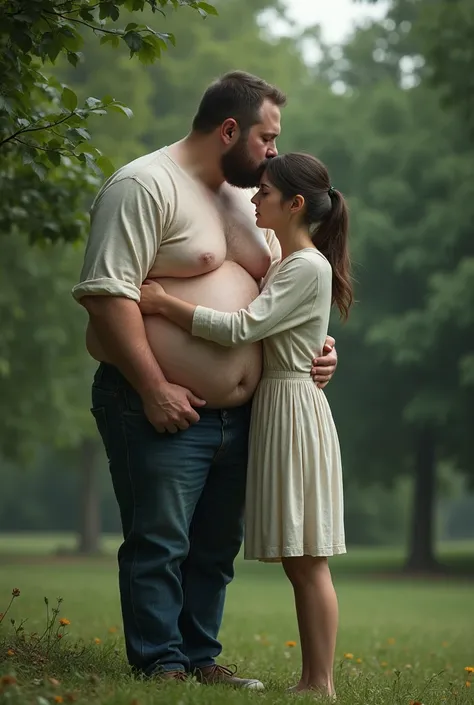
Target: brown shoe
point(224, 675)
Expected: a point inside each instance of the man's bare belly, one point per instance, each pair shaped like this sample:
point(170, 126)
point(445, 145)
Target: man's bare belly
point(224, 377)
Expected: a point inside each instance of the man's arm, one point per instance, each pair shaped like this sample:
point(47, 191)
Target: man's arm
point(118, 325)
point(123, 243)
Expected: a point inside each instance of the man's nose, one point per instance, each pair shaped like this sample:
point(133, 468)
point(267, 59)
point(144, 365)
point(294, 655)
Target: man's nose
point(272, 152)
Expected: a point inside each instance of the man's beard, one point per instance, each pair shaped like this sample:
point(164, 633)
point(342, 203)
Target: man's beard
point(239, 168)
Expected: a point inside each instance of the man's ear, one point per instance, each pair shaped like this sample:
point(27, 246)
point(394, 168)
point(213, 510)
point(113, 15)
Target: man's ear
point(229, 131)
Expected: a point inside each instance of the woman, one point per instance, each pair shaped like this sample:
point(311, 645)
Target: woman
point(294, 510)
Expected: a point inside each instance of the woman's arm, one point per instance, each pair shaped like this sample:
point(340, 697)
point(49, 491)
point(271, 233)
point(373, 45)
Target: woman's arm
point(154, 299)
point(285, 303)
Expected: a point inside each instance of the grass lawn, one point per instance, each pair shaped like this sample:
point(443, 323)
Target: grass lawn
point(400, 640)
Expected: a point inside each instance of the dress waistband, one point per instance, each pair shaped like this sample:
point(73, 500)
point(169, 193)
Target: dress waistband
point(286, 374)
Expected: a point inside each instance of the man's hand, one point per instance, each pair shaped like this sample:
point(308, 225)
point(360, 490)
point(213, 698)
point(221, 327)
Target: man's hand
point(170, 407)
point(325, 366)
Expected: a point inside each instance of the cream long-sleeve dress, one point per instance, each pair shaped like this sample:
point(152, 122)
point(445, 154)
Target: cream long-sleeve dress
point(294, 502)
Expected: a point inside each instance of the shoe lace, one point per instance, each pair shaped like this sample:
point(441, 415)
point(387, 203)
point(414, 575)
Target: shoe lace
point(180, 676)
point(218, 670)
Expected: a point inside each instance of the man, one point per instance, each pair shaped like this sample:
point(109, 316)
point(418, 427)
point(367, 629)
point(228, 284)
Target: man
point(172, 410)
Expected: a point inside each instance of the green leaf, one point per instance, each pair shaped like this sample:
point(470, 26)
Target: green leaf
point(93, 103)
point(104, 10)
point(114, 13)
point(109, 9)
point(72, 39)
point(39, 169)
point(21, 38)
point(149, 51)
point(208, 9)
point(86, 14)
point(130, 26)
point(105, 165)
point(107, 38)
point(69, 99)
point(78, 133)
point(53, 52)
point(54, 158)
point(134, 41)
point(54, 144)
point(86, 148)
point(73, 58)
point(119, 108)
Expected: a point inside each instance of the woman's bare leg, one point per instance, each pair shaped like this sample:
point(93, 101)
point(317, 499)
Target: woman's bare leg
point(317, 613)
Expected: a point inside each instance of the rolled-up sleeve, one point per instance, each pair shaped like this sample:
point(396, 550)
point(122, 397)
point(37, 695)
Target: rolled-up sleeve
point(125, 235)
point(285, 303)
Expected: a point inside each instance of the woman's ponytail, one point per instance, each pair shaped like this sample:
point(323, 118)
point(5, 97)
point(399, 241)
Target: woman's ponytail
point(331, 238)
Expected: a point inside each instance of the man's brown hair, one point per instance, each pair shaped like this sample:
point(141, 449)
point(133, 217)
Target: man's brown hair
point(237, 95)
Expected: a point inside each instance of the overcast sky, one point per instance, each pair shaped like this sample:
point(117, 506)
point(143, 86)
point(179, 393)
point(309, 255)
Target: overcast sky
point(336, 17)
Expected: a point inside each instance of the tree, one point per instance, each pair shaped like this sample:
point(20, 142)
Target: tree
point(441, 34)
point(411, 216)
point(40, 120)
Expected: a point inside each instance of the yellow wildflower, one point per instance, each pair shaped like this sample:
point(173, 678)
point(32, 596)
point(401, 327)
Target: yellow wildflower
point(469, 669)
point(291, 644)
point(97, 640)
point(64, 622)
point(10, 652)
point(358, 660)
point(349, 656)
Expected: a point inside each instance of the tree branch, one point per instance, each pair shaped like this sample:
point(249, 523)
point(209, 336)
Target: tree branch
point(43, 149)
point(115, 32)
point(35, 129)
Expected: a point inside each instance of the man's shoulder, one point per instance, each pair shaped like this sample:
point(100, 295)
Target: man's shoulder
point(152, 171)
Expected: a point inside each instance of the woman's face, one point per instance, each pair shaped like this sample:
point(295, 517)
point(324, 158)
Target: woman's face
point(270, 212)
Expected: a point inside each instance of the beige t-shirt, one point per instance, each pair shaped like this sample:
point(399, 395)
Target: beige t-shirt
point(152, 219)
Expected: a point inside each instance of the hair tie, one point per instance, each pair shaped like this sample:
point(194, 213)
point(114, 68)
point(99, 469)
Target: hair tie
point(331, 191)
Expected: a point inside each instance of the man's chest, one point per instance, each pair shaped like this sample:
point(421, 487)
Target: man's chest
point(205, 230)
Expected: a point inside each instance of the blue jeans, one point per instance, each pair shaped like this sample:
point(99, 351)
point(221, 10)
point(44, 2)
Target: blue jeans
point(181, 500)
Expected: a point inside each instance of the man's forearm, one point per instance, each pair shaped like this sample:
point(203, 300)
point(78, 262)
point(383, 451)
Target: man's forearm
point(118, 324)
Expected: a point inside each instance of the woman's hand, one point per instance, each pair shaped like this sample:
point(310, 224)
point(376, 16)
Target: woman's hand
point(151, 295)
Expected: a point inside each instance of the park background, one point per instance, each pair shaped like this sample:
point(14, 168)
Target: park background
point(382, 93)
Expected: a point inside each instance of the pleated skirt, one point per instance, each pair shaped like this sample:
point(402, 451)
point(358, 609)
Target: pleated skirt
point(294, 501)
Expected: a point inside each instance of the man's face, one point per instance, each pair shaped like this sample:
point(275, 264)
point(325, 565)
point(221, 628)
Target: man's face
point(242, 165)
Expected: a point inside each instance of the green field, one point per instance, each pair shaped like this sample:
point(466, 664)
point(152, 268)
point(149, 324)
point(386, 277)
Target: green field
point(410, 640)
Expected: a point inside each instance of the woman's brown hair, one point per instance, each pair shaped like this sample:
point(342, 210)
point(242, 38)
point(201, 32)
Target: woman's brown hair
point(325, 208)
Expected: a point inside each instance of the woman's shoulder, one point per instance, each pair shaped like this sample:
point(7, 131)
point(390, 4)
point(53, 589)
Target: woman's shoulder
point(307, 259)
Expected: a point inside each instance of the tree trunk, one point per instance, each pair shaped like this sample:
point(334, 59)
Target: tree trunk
point(421, 550)
point(89, 519)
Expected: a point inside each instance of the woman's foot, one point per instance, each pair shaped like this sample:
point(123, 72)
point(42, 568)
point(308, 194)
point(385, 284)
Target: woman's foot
point(299, 687)
point(304, 689)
